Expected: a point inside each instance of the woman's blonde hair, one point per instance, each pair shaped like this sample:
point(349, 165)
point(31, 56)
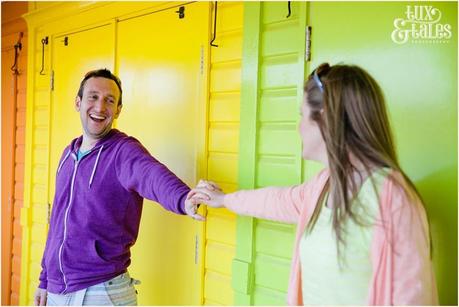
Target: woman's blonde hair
point(349, 108)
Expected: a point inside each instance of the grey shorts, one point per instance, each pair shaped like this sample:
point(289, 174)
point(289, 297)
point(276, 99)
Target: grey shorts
point(118, 291)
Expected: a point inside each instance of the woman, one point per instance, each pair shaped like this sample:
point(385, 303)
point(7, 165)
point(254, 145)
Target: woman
point(362, 236)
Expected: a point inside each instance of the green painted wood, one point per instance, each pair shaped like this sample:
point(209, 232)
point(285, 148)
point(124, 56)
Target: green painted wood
point(241, 268)
point(420, 83)
point(272, 92)
point(279, 162)
point(419, 80)
point(242, 264)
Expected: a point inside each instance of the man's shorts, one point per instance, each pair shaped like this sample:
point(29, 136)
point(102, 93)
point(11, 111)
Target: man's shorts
point(118, 291)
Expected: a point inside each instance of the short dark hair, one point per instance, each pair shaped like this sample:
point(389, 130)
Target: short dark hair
point(100, 73)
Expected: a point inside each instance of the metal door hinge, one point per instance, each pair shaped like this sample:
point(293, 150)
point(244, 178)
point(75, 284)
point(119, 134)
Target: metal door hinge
point(307, 55)
point(52, 80)
point(196, 249)
point(201, 64)
point(181, 12)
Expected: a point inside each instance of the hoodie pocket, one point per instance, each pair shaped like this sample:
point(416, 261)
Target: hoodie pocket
point(81, 255)
point(98, 252)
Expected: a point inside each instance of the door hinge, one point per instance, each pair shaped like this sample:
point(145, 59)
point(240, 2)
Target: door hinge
point(307, 55)
point(181, 12)
point(52, 80)
point(201, 65)
point(49, 213)
point(196, 249)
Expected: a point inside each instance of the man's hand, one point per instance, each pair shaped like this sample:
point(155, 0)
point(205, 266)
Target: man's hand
point(40, 297)
point(191, 205)
point(209, 193)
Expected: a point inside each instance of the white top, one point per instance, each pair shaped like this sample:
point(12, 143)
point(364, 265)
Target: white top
point(325, 279)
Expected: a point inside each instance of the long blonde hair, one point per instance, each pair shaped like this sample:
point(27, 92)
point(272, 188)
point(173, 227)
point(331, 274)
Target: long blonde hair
point(349, 108)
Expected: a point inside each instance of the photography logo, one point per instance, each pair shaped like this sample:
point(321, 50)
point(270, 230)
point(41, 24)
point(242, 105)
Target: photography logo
point(421, 24)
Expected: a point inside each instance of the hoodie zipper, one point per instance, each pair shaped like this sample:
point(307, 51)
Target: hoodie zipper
point(65, 224)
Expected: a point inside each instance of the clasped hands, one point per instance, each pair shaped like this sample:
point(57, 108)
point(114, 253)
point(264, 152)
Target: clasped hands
point(207, 192)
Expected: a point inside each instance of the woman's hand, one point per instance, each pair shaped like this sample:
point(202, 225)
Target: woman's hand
point(209, 193)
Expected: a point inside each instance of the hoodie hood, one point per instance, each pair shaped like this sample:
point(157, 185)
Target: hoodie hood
point(110, 138)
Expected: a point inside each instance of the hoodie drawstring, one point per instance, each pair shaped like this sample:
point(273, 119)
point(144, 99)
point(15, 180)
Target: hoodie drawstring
point(62, 163)
point(95, 165)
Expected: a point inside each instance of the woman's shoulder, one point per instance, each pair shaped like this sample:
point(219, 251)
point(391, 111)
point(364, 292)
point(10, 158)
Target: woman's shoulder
point(320, 177)
point(399, 193)
point(317, 181)
point(310, 189)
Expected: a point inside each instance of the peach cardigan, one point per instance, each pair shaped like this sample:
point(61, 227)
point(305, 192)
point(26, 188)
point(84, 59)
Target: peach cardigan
point(400, 249)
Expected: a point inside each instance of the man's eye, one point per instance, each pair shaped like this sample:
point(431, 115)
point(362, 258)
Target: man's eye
point(111, 101)
point(93, 97)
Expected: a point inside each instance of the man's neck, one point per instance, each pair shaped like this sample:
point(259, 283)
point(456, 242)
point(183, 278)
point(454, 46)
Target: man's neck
point(87, 143)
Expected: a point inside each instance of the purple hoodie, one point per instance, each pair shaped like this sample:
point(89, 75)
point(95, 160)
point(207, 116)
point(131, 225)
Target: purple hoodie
point(97, 207)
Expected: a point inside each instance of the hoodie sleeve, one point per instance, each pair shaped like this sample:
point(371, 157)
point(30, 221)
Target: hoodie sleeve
point(138, 171)
point(43, 277)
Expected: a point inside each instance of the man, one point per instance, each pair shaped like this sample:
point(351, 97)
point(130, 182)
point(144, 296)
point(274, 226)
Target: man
point(101, 181)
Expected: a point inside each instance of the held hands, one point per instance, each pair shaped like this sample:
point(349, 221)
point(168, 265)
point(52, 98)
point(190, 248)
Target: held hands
point(192, 205)
point(213, 195)
point(206, 192)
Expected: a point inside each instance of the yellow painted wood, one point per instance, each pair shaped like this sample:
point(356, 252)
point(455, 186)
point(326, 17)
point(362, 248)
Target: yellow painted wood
point(203, 141)
point(56, 124)
point(159, 63)
point(36, 173)
point(86, 50)
point(56, 20)
point(61, 16)
point(222, 148)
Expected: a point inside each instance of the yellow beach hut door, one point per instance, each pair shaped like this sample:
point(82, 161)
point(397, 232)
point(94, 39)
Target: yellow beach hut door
point(160, 62)
point(73, 56)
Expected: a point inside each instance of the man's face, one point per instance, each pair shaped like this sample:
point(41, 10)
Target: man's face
point(98, 107)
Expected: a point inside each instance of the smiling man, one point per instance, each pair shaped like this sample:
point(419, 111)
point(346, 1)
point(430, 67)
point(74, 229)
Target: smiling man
point(101, 181)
